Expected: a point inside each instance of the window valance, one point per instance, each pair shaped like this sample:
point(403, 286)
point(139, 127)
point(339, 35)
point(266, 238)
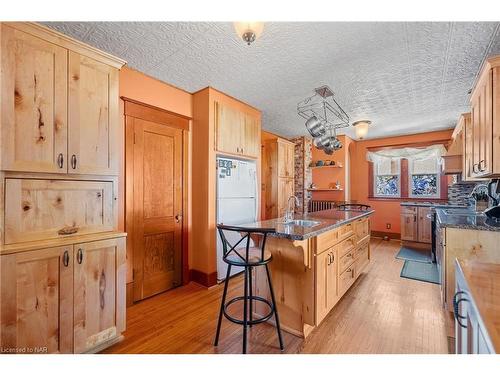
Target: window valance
point(433, 151)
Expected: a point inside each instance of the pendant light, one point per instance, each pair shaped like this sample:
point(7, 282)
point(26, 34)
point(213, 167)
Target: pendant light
point(361, 128)
point(249, 31)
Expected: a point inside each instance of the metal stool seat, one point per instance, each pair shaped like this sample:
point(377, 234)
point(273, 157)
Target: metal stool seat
point(241, 254)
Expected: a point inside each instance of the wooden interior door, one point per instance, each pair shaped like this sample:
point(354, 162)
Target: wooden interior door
point(99, 292)
point(158, 210)
point(33, 104)
point(93, 117)
point(37, 300)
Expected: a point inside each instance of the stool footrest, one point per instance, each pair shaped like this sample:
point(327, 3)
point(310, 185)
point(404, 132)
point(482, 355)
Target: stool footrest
point(250, 321)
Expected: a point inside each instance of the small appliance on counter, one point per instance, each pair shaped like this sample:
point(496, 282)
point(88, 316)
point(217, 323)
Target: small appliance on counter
point(493, 212)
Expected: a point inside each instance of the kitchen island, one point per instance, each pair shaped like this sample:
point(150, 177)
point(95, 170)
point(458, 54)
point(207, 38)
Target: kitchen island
point(313, 266)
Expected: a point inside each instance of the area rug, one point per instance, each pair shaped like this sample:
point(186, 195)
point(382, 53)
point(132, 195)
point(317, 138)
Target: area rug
point(416, 255)
point(420, 271)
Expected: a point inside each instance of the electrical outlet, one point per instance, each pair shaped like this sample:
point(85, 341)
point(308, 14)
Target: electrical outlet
point(388, 226)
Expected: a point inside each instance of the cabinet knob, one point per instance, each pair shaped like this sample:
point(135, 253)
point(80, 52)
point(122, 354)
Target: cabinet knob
point(73, 161)
point(66, 258)
point(79, 256)
point(60, 160)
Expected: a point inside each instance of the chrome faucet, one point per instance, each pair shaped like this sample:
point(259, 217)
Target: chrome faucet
point(289, 212)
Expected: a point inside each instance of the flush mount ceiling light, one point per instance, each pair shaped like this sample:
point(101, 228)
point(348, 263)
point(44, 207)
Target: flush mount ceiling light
point(249, 31)
point(361, 128)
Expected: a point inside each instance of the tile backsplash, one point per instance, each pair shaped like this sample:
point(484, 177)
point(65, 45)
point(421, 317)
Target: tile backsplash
point(459, 193)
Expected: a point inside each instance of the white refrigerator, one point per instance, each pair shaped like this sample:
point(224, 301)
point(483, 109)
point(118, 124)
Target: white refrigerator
point(237, 202)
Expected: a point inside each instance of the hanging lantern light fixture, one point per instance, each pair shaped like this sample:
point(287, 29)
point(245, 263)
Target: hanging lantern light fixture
point(249, 31)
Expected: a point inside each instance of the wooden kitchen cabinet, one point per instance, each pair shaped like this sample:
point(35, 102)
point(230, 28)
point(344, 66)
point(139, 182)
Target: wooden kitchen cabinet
point(278, 171)
point(484, 159)
point(236, 132)
point(93, 131)
point(424, 225)
point(326, 283)
point(409, 229)
point(59, 108)
point(37, 301)
point(34, 103)
point(99, 292)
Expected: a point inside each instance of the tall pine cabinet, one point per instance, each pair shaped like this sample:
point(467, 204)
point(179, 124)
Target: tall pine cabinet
point(62, 259)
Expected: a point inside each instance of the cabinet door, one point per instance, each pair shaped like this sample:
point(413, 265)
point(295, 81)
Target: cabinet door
point(326, 283)
point(99, 292)
point(34, 104)
point(250, 142)
point(486, 128)
point(37, 301)
point(476, 135)
point(229, 124)
point(94, 135)
point(424, 225)
point(468, 149)
point(409, 227)
point(285, 190)
point(43, 209)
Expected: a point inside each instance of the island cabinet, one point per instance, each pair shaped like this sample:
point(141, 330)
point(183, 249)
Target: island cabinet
point(311, 275)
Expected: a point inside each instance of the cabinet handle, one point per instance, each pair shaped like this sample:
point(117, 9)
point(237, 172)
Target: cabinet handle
point(66, 258)
point(60, 160)
point(242, 150)
point(79, 256)
point(329, 259)
point(455, 308)
point(482, 169)
point(474, 170)
point(73, 161)
point(333, 257)
point(67, 230)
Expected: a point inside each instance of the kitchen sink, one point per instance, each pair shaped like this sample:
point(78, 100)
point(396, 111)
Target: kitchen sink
point(462, 212)
point(303, 223)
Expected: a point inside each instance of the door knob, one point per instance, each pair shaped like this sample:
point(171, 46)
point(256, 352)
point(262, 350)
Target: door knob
point(178, 218)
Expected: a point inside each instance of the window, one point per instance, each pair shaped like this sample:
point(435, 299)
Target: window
point(423, 178)
point(387, 181)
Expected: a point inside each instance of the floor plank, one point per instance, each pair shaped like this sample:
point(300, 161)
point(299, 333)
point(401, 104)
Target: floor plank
point(381, 313)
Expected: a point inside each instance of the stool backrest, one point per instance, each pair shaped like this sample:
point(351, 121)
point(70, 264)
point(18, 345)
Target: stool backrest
point(230, 247)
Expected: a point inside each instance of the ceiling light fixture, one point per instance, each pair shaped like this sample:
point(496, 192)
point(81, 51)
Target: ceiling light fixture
point(361, 128)
point(249, 31)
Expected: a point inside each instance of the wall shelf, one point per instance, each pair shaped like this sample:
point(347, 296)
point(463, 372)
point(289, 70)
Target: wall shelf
point(325, 166)
point(326, 189)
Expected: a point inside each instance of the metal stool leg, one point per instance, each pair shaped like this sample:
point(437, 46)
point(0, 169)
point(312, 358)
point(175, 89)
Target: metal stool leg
point(226, 284)
point(245, 322)
point(274, 308)
point(250, 292)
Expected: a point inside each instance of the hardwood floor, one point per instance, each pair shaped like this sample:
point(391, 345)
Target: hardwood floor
point(381, 313)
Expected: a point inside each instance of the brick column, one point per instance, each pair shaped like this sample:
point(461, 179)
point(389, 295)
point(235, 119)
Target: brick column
point(303, 174)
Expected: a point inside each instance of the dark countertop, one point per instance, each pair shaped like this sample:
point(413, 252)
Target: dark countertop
point(483, 282)
point(329, 219)
point(432, 204)
point(465, 219)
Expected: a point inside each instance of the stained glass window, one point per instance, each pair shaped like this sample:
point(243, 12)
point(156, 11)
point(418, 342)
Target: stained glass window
point(387, 180)
point(424, 178)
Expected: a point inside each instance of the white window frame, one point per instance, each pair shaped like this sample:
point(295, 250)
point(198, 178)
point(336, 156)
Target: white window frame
point(375, 174)
point(410, 182)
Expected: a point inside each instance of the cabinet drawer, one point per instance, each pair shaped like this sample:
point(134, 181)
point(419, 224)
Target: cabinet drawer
point(44, 209)
point(345, 231)
point(361, 229)
point(346, 246)
point(326, 240)
point(362, 257)
point(346, 279)
point(346, 261)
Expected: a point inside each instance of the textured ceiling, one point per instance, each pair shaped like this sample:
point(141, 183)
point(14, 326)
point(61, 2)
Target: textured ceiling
point(404, 77)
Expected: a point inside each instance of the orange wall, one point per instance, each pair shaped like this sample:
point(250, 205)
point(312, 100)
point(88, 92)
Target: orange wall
point(386, 211)
point(138, 86)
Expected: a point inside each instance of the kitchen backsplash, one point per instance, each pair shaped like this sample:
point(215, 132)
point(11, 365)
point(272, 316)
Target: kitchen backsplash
point(459, 193)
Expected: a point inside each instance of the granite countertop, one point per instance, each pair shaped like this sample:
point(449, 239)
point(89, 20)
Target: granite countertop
point(483, 282)
point(432, 204)
point(465, 218)
point(329, 219)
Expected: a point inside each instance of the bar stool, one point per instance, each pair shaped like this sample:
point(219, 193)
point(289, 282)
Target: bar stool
point(247, 257)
